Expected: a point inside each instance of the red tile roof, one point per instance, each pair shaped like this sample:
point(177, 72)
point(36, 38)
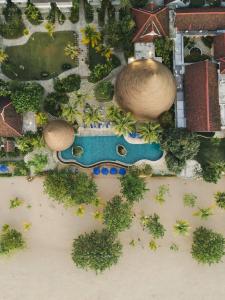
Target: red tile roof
point(202, 18)
point(10, 120)
point(202, 97)
point(150, 23)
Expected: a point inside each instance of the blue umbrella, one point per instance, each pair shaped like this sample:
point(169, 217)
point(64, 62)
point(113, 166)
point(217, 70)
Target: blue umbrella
point(96, 171)
point(132, 135)
point(113, 171)
point(105, 171)
point(122, 171)
point(4, 168)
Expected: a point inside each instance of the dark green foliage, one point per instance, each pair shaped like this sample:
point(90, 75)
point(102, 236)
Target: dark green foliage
point(29, 141)
point(220, 199)
point(10, 240)
point(20, 168)
point(197, 3)
point(164, 49)
point(208, 246)
point(104, 91)
point(38, 163)
point(69, 84)
point(139, 3)
point(100, 71)
point(212, 171)
point(53, 101)
point(74, 11)
point(188, 42)
point(117, 215)
point(4, 88)
point(33, 14)
point(180, 146)
point(166, 119)
point(54, 13)
point(214, 3)
point(13, 26)
point(208, 41)
point(96, 251)
point(195, 57)
point(153, 225)
point(133, 186)
point(69, 188)
point(27, 97)
point(88, 12)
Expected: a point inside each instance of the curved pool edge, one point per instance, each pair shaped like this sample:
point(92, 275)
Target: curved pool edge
point(115, 163)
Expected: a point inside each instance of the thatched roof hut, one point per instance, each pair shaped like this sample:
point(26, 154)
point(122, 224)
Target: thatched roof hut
point(145, 88)
point(58, 135)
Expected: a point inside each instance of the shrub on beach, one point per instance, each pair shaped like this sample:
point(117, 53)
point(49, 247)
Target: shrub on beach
point(96, 250)
point(208, 247)
point(69, 188)
point(153, 225)
point(11, 240)
point(220, 199)
point(117, 215)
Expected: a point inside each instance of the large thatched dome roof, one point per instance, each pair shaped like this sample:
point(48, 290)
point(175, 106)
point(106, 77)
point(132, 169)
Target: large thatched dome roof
point(58, 135)
point(146, 88)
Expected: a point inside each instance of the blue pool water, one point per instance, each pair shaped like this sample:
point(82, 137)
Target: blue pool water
point(104, 149)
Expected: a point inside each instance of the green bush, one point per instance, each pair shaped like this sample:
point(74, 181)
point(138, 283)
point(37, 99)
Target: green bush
point(69, 84)
point(164, 49)
point(96, 251)
point(117, 215)
point(104, 91)
point(220, 199)
point(53, 101)
point(74, 11)
point(166, 119)
point(88, 12)
point(208, 41)
point(29, 141)
point(189, 199)
point(69, 188)
point(4, 88)
point(33, 14)
point(10, 240)
point(174, 164)
point(27, 97)
point(212, 171)
point(38, 163)
point(155, 228)
point(195, 57)
point(133, 187)
point(208, 247)
point(197, 3)
point(13, 26)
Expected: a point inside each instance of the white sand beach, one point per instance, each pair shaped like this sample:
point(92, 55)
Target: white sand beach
point(45, 271)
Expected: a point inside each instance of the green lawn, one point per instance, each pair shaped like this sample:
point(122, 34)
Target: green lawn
point(211, 152)
point(40, 54)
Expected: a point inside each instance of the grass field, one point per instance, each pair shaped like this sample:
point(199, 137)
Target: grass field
point(210, 151)
point(40, 54)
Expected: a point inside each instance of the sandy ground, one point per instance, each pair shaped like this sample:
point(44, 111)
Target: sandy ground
point(44, 271)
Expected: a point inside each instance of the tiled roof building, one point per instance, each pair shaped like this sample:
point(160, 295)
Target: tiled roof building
point(202, 18)
point(150, 23)
point(10, 120)
point(201, 96)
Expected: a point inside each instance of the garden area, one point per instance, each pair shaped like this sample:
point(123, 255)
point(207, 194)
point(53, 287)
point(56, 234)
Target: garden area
point(197, 48)
point(42, 57)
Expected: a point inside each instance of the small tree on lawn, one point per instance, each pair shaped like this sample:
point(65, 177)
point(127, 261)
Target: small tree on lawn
point(72, 51)
point(153, 225)
point(133, 186)
point(96, 251)
point(208, 247)
point(69, 188)
point(50, 27)
point(11, 240)
point(220, 199)
point(117, 215)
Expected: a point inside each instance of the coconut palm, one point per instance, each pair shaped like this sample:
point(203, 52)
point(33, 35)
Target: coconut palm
point(70, 113)
point(113, 112)
point(182, 227)
point(50, 27)
point(90, 36)
point(78, 98)
point(92, 116)
point(150, 132)
point(204, 213)
point(3, 56)
point(124, 124)
point(72, 51)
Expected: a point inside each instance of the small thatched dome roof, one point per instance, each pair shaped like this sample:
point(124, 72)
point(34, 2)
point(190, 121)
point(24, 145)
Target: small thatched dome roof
point(58, 135)
point(145, 88)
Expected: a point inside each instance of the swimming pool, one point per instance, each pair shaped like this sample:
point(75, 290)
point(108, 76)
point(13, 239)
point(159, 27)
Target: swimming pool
point(99, 149)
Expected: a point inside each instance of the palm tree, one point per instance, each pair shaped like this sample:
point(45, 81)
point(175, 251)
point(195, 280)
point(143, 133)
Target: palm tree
point(92, 116)
point(72, 51)
point(182, 227)
point(90, 36)
point(3, 56)
point(106, 52)
point(150, 132)
point(124, 124)
point(50, 27)
point(70, 113)
point(113, 113)
point(78, 98)
point(204, 213)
